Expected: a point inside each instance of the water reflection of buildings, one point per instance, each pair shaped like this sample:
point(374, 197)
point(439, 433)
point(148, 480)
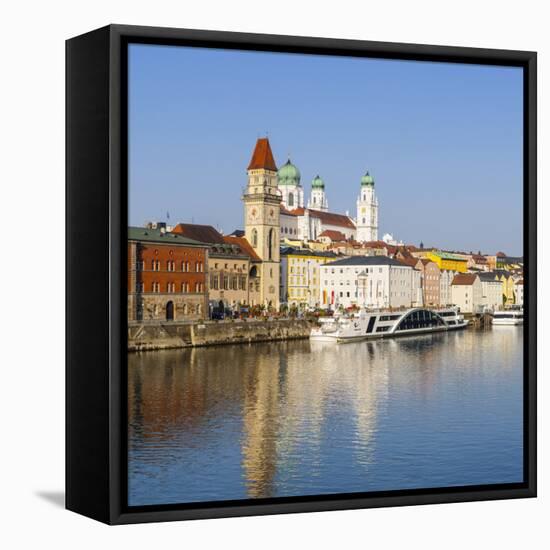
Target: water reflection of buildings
point(291, 405)
point(289, 400)
point(285, 394)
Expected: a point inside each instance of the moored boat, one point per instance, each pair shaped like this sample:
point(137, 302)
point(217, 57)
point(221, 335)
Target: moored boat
point(384, 324)
point(508, 317)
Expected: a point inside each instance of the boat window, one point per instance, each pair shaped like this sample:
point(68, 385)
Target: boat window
point(420, 319)
point(382, 329)
point(508, 316)
point(370, 326)
point(389, 317)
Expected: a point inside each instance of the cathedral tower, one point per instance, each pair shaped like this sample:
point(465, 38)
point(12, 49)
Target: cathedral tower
point(318, 200)
point(288, 180)
point(367, 211)
point(262, 207)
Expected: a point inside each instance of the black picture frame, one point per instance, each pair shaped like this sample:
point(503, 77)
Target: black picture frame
point(96, 232)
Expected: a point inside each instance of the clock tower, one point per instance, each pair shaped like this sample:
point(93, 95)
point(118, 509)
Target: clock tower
point(262, 207)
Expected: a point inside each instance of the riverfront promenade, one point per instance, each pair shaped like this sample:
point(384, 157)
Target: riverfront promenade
point(159, 335)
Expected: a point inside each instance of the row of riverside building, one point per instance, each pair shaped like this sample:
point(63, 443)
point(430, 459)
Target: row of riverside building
point(302, 257)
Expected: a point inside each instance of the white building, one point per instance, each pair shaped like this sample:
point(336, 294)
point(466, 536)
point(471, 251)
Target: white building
point(366, 281)
point(445, 281)
point(318, 200)
point(367, 211)
point(491, 291)
point(312, 220)
point(518, 290)
point(288, 182)
point(466, 292)
point(289, 225)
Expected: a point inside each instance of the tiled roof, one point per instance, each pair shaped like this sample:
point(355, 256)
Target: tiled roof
point(286, 212)
point(464, 279)
point(412, 262)
point(426, 261)
point(327, 218)
point(202, 233)
point(262, 156)
point(244, 245)
point(333, 235)
point(145, 234)
point(376, 244)
point(290, 250)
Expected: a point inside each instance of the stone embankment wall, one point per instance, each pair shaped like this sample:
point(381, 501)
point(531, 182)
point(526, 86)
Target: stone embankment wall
point(145, 336)
point(479, 320)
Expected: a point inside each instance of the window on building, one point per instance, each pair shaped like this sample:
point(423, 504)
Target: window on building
point(270, 243)
point(214, 281)
point(254, 238)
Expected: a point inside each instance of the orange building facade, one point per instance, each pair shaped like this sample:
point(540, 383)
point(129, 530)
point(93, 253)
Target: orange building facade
point(166, 276)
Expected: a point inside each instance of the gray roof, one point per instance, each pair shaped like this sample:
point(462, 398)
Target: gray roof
point(157, 236)
point(486, 276)
point(501, 272)
point(368, 260)
point(306, 252)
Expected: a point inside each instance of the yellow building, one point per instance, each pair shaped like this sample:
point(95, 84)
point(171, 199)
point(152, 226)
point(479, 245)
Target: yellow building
point(300, 285)
point(448, 261)
point(318, 246)
point(508, 284)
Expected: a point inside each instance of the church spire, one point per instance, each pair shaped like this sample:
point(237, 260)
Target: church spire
point(262, 158)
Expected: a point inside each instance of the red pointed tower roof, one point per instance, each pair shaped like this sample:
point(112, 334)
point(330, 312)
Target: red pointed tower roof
point(262, 156)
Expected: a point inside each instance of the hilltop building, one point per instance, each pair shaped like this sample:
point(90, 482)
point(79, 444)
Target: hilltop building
point(449, 261)
point(307, 223)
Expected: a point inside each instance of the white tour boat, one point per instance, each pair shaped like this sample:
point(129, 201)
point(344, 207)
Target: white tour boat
point(384, 324)
point(508, 317)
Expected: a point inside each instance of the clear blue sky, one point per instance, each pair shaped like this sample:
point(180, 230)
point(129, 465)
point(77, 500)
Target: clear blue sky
point(443, 141)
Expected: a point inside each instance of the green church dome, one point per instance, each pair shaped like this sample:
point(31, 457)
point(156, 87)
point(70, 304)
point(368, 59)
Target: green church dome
point(317, 183)
point(288, 174)
point(367, 179)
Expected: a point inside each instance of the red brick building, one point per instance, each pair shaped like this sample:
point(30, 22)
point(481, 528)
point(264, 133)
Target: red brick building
point(166, 276)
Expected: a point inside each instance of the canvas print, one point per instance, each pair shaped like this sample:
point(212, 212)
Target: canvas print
point(325, 275)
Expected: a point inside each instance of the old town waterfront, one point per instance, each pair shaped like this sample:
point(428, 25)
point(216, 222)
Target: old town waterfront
point(290, 257)
point(299, 417)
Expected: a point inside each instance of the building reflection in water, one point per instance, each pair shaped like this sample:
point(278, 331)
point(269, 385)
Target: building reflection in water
point(288, 418)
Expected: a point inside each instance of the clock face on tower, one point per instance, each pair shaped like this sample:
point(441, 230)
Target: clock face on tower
point(253, 214)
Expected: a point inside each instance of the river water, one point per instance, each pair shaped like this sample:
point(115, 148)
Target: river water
point(299, 418)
